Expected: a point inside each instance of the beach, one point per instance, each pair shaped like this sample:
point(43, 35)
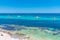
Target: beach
point(29, 33)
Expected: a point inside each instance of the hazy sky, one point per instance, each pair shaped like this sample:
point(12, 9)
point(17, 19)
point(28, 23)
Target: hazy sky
point(29, 6)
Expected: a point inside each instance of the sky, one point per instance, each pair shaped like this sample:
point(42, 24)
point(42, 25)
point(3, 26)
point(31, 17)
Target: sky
point(29, 6)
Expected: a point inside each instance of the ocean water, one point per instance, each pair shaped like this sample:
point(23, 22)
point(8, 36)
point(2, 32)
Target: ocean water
point(51, 20)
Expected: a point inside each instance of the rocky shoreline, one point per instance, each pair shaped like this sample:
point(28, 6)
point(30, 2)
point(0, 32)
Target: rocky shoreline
point(30, 33)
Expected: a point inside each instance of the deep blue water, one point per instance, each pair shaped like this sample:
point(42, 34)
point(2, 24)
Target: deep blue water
point(45, 20)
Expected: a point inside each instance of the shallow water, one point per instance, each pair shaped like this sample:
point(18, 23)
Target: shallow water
point(33, 32)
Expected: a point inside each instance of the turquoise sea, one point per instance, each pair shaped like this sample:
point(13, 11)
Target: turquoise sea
point(50, 20)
